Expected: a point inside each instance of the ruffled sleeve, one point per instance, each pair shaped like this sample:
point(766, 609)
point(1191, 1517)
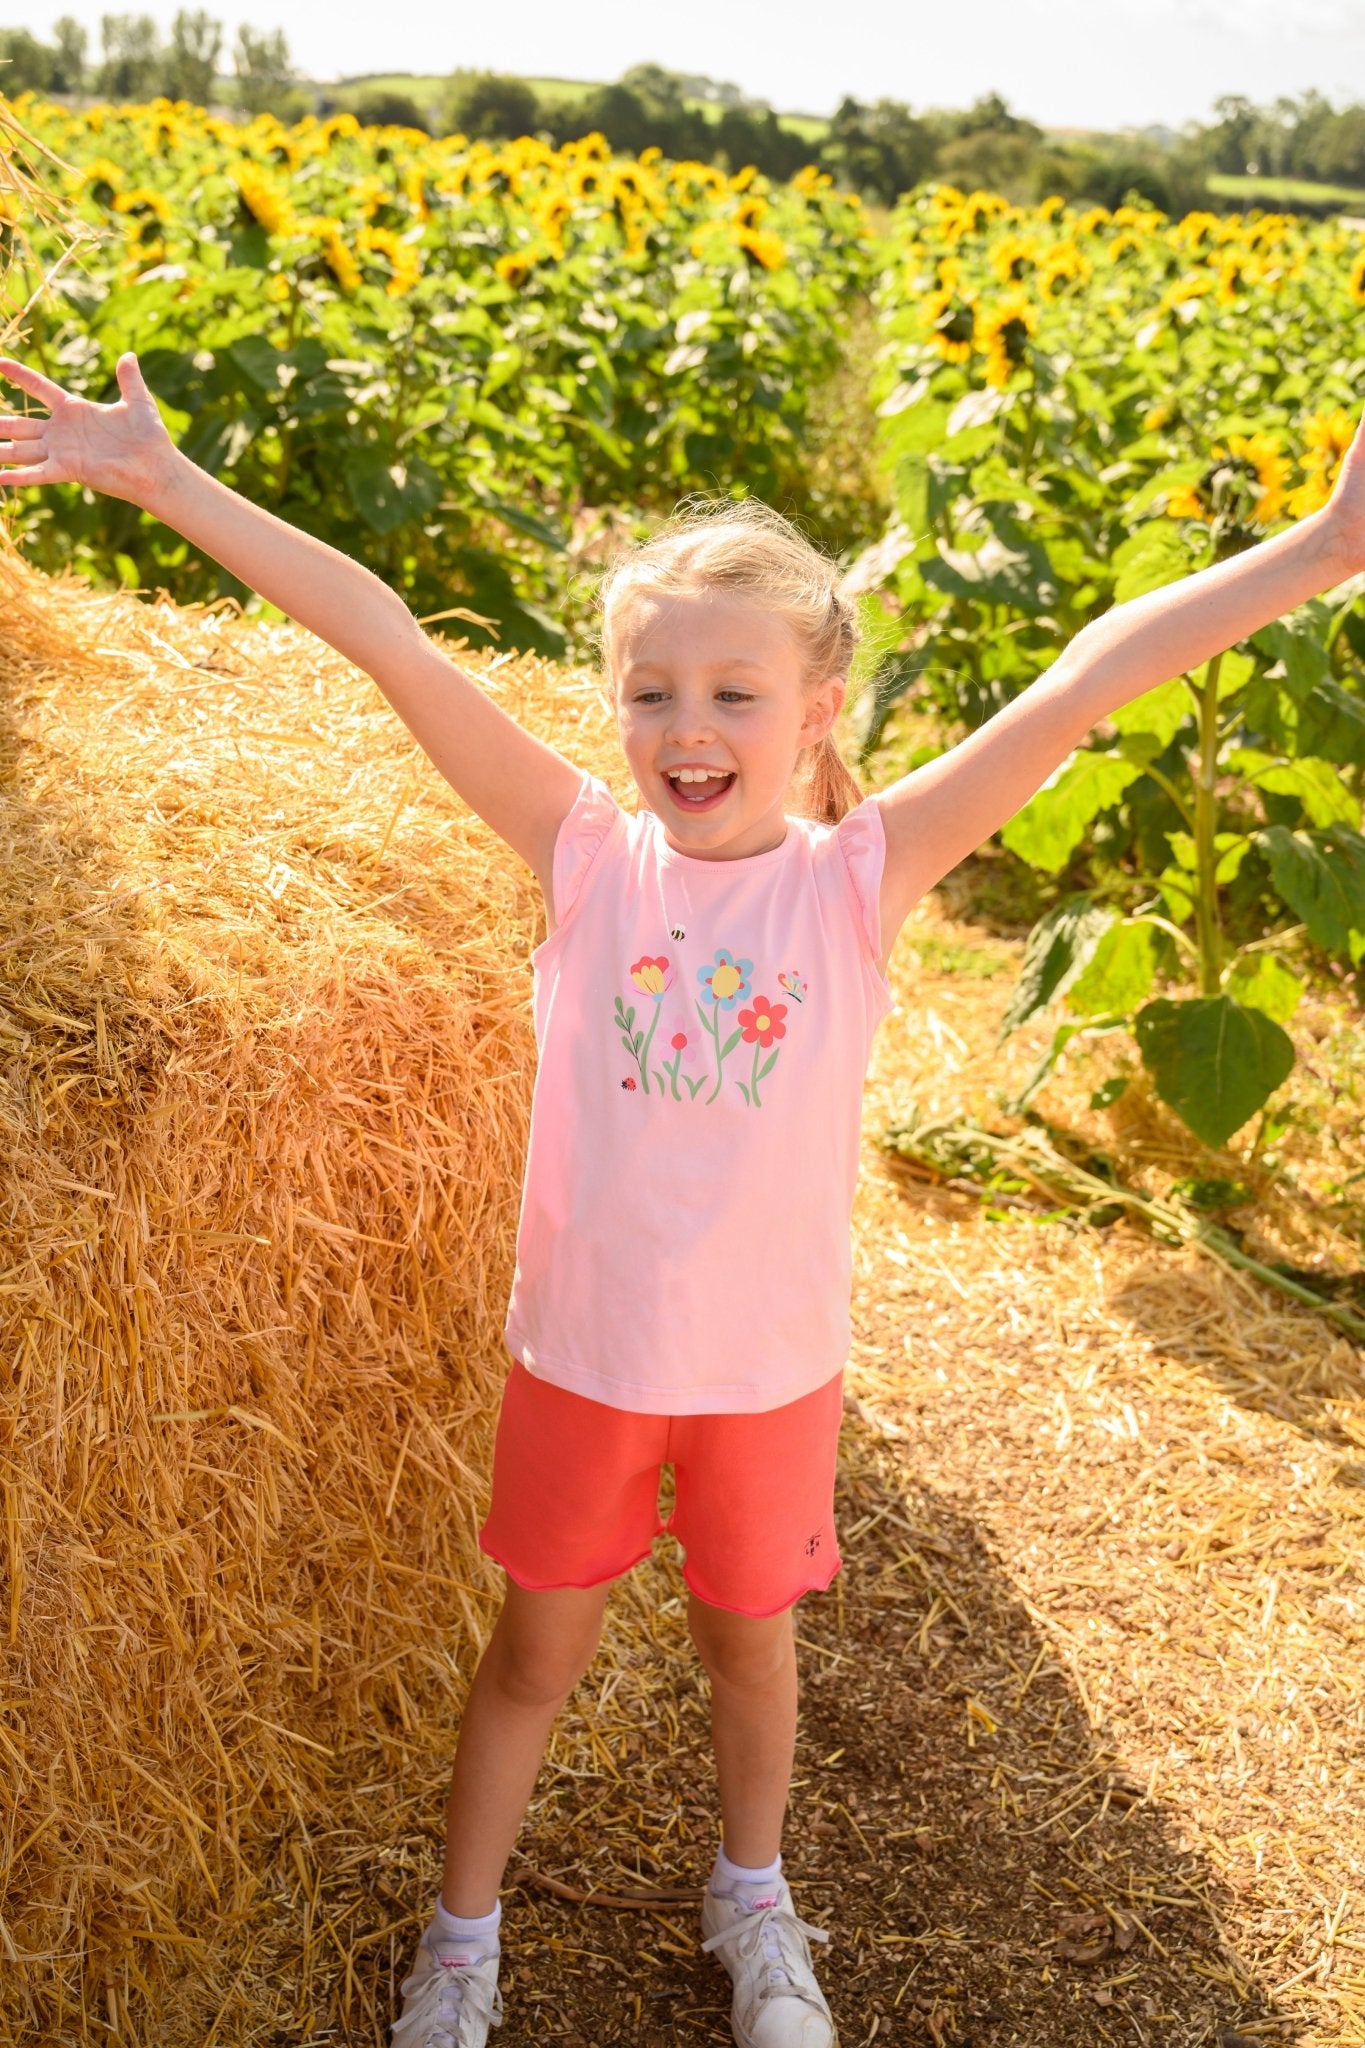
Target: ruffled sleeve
point(862, 843)
point(582, 834)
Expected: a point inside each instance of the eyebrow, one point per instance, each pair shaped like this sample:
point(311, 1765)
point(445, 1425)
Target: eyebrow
point(659, 668)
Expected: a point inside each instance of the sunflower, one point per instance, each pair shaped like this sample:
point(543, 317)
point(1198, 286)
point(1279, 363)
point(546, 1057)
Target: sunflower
point(750, 211)
point(414, 191)
point(810, 180)
point(1181, 298)
point(261, 202)
point(552, 213)
point(1091, 221)
point(761, 246)
point(1005, 333)
point(515, 267)
point(1236, 274)
point(952, 322)
point(101, 180)
point(327, 233)
point(1328, 435)
point(1013, 257)
point(974, 215)
point(1063, 266)
point(405, 261)
point(586, 180)
point(694, 180)
point(1193, 229)
point(145, 203)
point(1249, 463)
point(1050, 207)
point(1358, 279)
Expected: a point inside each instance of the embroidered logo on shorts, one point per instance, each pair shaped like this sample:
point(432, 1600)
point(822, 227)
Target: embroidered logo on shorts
point(812, 1544)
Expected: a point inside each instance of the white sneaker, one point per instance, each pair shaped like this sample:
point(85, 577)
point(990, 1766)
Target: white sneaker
point(777, 2002)
point(451, 1999)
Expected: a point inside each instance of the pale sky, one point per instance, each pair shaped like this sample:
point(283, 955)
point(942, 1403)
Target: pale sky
point(1072, 63)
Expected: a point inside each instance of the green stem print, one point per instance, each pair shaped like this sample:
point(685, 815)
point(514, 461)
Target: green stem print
point(749, 1089)
point(712, 1024)
point(670, 1068)
point(636, 1042)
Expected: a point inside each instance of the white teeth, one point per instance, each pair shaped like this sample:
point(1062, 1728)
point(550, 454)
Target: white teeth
point(699, 774)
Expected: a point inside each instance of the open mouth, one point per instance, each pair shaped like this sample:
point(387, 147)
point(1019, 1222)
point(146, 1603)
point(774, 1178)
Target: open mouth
point(699, 796)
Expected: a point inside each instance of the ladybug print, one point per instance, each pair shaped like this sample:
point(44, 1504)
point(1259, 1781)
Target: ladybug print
point(630, 1082)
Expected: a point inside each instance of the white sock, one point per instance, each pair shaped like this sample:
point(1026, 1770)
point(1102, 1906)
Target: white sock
point(728, 1876)
point(749, 1885)
point(481, 1934)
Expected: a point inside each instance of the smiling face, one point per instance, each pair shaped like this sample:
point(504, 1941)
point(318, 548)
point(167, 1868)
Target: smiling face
point(713, 681)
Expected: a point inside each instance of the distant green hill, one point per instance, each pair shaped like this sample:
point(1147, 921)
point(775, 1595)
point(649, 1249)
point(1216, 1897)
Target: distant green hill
point(551, 92)
point(1285, 191)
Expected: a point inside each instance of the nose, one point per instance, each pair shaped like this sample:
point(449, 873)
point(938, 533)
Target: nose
point(690, 724)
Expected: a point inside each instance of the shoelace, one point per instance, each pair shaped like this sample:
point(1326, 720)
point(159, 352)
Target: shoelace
point(438, 2002)
point(772, 1927)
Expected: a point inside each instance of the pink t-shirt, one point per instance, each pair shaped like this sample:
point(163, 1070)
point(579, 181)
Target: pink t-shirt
point(704, 1029)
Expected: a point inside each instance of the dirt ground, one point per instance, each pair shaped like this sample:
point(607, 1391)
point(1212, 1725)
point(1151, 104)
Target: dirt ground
point(1080, 1748)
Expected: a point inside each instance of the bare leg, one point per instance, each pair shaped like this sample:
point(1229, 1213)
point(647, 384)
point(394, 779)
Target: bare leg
point(752, 1667)
point(541, 1645)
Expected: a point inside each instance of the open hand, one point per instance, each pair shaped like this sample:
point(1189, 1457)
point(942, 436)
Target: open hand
point(1346, 507)
point(119, 449)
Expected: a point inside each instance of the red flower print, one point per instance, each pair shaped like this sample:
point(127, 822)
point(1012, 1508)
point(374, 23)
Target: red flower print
point(679, 1040)
point(763, 1023)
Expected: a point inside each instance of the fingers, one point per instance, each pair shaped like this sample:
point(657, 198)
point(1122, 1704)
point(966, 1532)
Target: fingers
point(44, 473)
point(23, 452)
point(41, 388)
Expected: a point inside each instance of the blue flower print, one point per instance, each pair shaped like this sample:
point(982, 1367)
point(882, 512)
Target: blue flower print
point(726, 979)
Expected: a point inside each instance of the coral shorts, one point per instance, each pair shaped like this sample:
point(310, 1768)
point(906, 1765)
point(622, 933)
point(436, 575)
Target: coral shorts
point(576, 1494)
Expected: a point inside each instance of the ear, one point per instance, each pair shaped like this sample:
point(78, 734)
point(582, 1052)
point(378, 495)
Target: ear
point(823, 705)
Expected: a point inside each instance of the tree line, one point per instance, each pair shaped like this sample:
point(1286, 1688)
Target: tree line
point(879, 148)
point(135, 64)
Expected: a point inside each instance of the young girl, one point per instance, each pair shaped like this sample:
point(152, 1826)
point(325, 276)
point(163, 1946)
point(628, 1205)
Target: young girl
point(704, 1006)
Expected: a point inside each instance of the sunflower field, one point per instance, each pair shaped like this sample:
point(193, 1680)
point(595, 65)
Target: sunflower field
point(463, 363)
point(447, 349)
point(1075, 408)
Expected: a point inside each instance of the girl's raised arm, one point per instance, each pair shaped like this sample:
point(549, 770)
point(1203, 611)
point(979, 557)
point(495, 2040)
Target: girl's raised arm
point(940, 813)
point(517, 784)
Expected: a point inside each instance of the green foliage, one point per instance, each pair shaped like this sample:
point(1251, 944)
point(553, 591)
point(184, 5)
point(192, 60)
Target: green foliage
point(445, 403)
point(1139, 433)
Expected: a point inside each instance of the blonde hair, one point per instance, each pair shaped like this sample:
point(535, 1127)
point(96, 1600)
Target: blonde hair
point(744, 546)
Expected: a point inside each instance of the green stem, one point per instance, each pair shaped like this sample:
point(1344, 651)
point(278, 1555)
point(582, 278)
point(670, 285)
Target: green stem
point(1030, 425)
point(644, 1050)
point(753, 1077)
point(1164, 782)
point(1207, 926)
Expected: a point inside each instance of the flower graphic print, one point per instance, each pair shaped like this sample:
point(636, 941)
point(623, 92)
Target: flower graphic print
point(651, 976)
point(726, 979)
point(724, 982)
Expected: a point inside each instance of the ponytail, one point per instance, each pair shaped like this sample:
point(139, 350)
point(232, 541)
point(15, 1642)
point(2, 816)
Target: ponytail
point(825, 790)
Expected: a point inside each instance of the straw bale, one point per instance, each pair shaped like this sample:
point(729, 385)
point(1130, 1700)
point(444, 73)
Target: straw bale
point(265, 1070)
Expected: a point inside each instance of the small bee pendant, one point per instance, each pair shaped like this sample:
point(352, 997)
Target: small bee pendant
point(677, 933)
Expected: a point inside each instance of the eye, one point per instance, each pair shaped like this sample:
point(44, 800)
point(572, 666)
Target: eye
point(743, 695)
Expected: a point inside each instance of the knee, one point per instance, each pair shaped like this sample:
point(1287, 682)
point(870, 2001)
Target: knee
point(738, 1649)
point(538, 1674)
